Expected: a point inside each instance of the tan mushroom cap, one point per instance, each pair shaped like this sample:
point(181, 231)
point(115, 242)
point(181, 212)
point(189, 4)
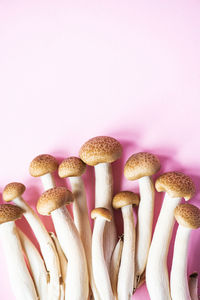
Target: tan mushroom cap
point(141, 164)
point(125, 198)
point(187, 215)
point(43, 164)
point(13, 190)
point(101, 212)
point(71, 167)
point(53, 199)
point(9, 212)
point(100, 149)
point(176, 184)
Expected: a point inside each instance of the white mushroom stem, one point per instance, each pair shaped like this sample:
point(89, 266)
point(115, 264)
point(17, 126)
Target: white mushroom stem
point(193, 286)
point(114, 266)
point(81, 220)
point(100, 270)
point(178, 278)
point(47, 181)
point(157, 278)
point(103, 198)
point(20, 279)
point(36, 265)
point(144, 224)
point(76, 285)
point(127, 266)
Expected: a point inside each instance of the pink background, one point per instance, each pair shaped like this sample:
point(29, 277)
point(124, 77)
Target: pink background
point(71, 70)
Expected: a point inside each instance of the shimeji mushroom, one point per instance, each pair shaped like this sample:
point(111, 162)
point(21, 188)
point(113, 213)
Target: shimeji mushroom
point(101, 275)
point(73, 168)
point(141, 166)
point(20, 278)
point(13, 192)
point(100, 152)
point(193, 286)
point(176, 185)
point(188, 217)
point(53, 202)
point(126, 200)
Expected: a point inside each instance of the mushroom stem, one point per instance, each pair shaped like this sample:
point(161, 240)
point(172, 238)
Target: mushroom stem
point(100, 270)
point(20, 279)
point(47, 181)
point(193, 286)
point(158, 283)
point(114, 266)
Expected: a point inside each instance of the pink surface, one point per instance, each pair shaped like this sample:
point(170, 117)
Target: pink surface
point(71, 70)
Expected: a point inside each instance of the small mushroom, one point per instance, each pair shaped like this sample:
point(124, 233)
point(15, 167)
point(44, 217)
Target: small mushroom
point(176, 185)
point(125, 200)
point(20, 278)
point(141, 166)
point(193, 286)
point(101, 275)
point(100, 152)
point(53, 202)
point(188, 218)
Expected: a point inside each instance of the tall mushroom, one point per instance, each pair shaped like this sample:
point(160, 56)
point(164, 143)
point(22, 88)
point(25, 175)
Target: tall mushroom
point(188, 218)
point(20, 278)
point(73, 167)
point(101, 275)
point(141, 166)
point(176, 185)
point(125, 200)
point(53, 202)
point(193, 286)
point(100, 152)
point(13, 192)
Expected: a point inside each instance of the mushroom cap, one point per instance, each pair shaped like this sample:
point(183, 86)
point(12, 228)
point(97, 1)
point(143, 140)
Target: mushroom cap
point(101, 212)
point(54, 198)
point(71, 167)
point(176, 184)
point(43, 164)
point(100, 149)
point(125, 198)
point(9, 212)
point(141, 164)
point(13, 190)
point(187, 215)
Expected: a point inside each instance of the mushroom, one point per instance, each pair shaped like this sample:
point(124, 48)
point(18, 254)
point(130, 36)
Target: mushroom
point(42, 166)
point(101, 275)
point(20, 278)
point(193, 286)
point(52, 202)
point(73, 167)
point(13, 192)
point(100, 152)
point(176, 185)
point(188, 217)
point(125, 200)
point(142, 166)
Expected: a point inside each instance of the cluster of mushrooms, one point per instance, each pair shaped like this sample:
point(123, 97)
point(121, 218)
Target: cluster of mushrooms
point(78, 264)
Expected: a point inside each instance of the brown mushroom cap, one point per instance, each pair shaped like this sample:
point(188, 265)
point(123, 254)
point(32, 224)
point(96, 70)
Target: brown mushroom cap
point(187, 215)
point(54, 198)
point(13, 190)
point(9, 212)
point(71, 167)
point(125, 198)
point(100, 149)
point(176, 184)
point(141, 164)
point(43, 164)
point(101, 212)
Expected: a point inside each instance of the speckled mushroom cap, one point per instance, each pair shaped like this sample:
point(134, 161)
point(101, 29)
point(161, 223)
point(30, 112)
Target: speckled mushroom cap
point(187, 215)
point(71, 167)
point(54, 198)
point(141, 164)
point(13, 190)
point(125, 198)
point(100, 149)
point(43, 164)
point(176, 184)
point(9, 212)
point(101, 212)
